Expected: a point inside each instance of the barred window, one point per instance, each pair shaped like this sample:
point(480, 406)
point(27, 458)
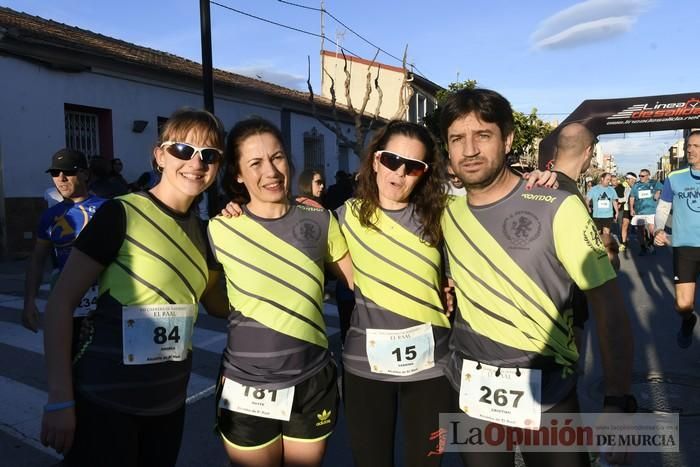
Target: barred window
point(313, 150)
point(82, 132)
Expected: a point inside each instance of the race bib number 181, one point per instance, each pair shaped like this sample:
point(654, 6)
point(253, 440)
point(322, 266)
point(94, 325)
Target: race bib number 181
point(156, 333)
point(266, 403)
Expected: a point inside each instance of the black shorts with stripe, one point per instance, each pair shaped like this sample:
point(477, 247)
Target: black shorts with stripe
point(603, 223)
point(313, 418)
point(686, 264)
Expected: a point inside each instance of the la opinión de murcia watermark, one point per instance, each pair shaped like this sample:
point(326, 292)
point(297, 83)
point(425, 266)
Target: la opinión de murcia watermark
point(642, 432)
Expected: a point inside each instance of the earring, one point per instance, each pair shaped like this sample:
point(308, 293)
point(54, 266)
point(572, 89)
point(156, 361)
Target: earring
point(159, 168)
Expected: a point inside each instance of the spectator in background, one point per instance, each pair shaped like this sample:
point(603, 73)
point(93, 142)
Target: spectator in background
point(455, 186)
point(336, 196)
point(604, 202)
point(116, 176)
point(311, 185)
point(147, 180)
point(630, 180)
point(619, 188)
point(340, 192)
point(59, 226)
point(643, 198)
point(102, 183)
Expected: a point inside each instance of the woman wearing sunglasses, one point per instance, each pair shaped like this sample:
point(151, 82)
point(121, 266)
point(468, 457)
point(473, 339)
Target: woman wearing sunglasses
point(311, 187)
point(397, 342)
point(278, 400)
point(122, 399)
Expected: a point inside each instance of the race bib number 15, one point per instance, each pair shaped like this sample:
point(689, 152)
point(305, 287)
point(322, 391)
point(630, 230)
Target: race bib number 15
point(401, 352)
point(156, 333)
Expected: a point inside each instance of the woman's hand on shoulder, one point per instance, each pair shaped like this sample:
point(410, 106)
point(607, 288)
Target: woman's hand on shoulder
point(232, 210)
point(537, 177)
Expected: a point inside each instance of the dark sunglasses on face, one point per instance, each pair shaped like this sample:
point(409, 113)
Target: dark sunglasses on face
point(67, 173)
point(186, 151)
point(393, 161)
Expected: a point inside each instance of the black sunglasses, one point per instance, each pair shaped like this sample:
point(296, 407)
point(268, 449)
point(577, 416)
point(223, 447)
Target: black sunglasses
point(67, 173)
point(393, 161)
point(186, 151)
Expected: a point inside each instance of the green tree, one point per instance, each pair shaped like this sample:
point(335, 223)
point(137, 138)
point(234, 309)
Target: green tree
point(529, 128)
point(432, 120)
point(529, 131)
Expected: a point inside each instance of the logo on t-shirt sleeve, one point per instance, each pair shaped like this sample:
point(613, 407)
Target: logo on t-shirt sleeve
point(592, 238)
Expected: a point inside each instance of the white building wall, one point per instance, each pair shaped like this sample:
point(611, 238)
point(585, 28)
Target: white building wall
point(32, 118)
point(304, 123)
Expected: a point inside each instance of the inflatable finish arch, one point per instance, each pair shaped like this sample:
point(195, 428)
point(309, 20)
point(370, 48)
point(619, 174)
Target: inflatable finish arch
point(629, 115)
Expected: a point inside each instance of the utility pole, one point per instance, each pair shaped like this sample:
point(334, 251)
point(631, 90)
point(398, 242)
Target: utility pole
point(212, 193)
point(321, 58)
point(207, 66)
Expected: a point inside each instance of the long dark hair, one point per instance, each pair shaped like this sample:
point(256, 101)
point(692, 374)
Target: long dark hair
point(306, 181)
point(428, 196)
point(236, 191)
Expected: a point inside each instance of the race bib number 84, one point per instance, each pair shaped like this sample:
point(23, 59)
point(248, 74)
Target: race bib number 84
point(156, 333)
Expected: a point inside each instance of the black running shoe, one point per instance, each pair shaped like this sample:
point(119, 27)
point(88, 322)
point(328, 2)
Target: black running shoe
point(685, 334)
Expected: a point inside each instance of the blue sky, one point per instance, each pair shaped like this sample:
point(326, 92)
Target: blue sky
point(546, 54)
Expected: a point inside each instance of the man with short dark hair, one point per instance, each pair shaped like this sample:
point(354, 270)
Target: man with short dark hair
point(681, 192)
point(513, 256)
point(59, 226)
point(603, 199)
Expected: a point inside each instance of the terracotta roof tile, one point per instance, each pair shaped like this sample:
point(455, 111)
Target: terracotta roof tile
point(34, 28)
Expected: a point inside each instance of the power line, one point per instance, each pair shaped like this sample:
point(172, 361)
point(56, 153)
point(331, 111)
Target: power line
point(323, 10)
point(283, 26)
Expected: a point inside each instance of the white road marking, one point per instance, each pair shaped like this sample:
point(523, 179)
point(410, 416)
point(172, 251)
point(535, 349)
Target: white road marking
point(21, 413)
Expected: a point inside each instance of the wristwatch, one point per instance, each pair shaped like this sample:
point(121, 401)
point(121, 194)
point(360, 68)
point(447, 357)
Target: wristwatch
point(627, 403)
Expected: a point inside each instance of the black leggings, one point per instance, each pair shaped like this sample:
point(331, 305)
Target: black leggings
point(371, 410)
point(109, 438)
point(532, 459)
